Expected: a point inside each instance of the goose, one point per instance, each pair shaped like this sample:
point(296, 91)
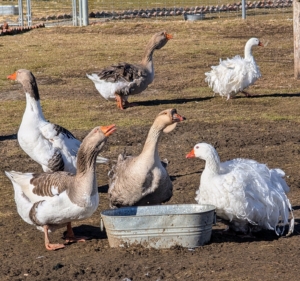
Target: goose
point(53, 200)
point(117, 82)
point(143, 179)
point(50, 145)
point(246, 193)
point(236, 74)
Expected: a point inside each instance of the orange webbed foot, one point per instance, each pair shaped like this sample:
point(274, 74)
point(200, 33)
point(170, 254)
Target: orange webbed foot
point(74, 239)
point(53, 247)
point(70, 236)
point(119, 102)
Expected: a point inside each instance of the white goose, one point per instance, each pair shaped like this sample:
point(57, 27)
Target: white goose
point(246, 193)
point(50, 145)
point(53, 200)
point(234, 75)
point(117, 82)
point(143, 179)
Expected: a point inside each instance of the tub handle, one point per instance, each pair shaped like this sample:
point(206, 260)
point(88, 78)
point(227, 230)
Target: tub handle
point(101, 225)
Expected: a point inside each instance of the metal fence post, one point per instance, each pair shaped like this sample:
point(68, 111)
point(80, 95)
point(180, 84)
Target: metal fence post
point(21, 19)
point(29, 21)
point(85, 12)
point(74, 12)
point(243, 9)
point(80, 12)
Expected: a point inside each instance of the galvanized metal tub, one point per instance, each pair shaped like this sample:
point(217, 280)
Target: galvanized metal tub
point(161, 226)
point(194, 17)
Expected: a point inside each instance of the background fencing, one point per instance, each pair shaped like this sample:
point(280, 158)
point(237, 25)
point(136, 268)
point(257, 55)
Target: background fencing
point(60, 11)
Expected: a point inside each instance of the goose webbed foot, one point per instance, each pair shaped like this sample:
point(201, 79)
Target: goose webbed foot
point(70, 236)
point(248, 95)
point(119, 101)
point(122, 103)
point(48, 245)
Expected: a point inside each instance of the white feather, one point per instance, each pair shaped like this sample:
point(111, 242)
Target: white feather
point(234, 75)
point(243, 191)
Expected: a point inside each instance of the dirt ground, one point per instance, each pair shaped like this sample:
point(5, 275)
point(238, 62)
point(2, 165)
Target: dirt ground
point(274, 141)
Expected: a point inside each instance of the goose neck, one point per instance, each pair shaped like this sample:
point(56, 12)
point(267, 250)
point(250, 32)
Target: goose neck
point(148, 54)
point(151, 142)
point(213, 164)
point(85, 178)
point(34, 106)
point(248, 51)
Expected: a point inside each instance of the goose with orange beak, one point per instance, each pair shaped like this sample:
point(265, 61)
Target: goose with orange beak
point(248, 195)
point(50, 145)
point(53, 200)
point(143, 179)
point(234, 75)
point(118, 82)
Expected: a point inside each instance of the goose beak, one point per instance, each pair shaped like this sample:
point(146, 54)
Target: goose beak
point(108, 130)
point(260, 44)
point(169, 36)
point(191, 154)
point(177, 117)
point(12, 76)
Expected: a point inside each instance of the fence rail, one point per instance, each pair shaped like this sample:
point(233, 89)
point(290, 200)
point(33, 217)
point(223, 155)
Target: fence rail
point(62, 11)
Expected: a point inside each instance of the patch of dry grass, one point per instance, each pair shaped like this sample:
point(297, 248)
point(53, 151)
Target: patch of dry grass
point(61, 56)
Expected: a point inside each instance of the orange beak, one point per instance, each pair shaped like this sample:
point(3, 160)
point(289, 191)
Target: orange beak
point(108, 130)
point(169, 36)
point(12, 76)
point(191, 154)
point(260, 44)
point(178, 118)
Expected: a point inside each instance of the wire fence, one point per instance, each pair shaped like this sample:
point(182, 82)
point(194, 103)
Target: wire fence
point(60, 11)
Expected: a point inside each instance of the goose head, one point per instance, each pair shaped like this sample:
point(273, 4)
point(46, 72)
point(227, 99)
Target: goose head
point(203, 151)
point(21, 75)
point(27, 79)
point(168, 119)
point(160, 39)
point(254, 42)
point(91, 146)
point(96, 139)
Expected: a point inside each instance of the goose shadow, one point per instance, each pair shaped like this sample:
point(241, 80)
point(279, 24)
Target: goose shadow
point(221, 236)
point(8, 137)
point(93, 232)
point(275, 95)
point(103, 188)
point(296, 208)
point(173, 101)
point(175, 177)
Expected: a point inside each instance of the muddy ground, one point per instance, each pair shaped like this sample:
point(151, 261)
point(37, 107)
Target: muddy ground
point(274, 141)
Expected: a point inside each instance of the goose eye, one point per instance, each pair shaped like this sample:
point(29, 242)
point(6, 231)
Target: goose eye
point(197, 147)
point(173, 111)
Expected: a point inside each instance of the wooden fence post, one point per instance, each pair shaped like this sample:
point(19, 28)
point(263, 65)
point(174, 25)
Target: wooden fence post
point(296, 19)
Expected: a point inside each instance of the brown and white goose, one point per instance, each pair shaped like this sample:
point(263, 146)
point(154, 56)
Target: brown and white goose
point(143, 179)
point(53, 200)
point(50, 145)
point(117, 82)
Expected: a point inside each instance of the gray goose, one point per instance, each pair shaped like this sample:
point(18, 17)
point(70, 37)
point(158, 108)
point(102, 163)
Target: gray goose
point(117, 82)
point(143, 179)
point(53, 200)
